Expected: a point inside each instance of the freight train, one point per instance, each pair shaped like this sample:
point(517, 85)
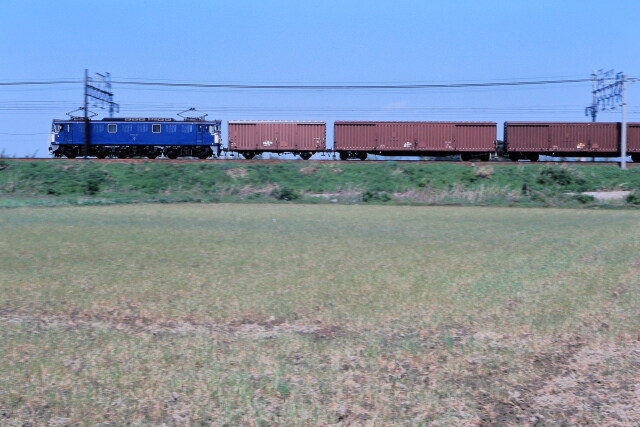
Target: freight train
point(195, 137)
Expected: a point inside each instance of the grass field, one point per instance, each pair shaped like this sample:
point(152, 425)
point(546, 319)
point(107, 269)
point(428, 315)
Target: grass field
point(318, 314)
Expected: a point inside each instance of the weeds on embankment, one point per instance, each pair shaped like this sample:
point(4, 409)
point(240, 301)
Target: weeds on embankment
point(90, 183)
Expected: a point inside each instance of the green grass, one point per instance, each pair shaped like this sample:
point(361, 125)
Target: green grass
point(301, 314)
point(488, 184)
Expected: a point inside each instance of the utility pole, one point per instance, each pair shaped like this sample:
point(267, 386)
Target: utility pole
point(609, 91)
point(592, 110)
point(99, 90)
point(623, 133)
point(87, 131)
point(112, 105)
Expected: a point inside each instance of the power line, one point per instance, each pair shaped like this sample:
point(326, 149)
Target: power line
point(50, 82)
point(352, 87)
point(23, 134)
point(313, 86)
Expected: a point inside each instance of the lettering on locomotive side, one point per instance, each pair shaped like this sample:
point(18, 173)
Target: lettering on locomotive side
point(148, 119)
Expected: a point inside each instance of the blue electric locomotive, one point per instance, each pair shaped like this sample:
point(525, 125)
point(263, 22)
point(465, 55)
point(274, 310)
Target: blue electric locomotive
point(136, 137)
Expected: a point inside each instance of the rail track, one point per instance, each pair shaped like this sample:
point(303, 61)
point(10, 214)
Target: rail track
point(341, 162)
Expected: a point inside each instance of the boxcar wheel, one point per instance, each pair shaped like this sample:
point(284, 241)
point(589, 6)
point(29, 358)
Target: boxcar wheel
point(344, 156)
point(635, 158)
point(534, 157)
point(305, 156)
point(362, 156)
point(248, 155)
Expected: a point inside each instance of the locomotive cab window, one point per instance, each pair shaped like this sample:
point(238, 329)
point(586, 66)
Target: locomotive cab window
point(211, 129)
point(112, 128)
point(156, 128)
point(57, 128)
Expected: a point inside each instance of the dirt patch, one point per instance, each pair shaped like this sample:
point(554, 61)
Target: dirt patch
point(599, 382)
point(138, 324)
point(341, 195)
point(578, 384)
point(308, 170)
point(249, 190)
point(327, 333)
point(236, 173)
point(605, 195)
point(484, 172)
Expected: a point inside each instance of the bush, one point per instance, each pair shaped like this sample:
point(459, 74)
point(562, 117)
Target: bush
point(375, 196)
point(585, 199)
point(633, 198)
point(285, 193)
point(560, 176)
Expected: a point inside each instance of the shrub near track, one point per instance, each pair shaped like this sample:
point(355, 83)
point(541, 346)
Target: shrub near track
point(88, 182)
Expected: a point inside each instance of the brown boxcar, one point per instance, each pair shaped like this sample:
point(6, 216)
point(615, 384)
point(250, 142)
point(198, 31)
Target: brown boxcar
point(469, 139)
point(633, 141)
point(529, 140)
point(302, 138)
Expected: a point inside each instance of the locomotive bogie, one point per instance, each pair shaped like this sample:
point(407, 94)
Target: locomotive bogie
point(359, 155)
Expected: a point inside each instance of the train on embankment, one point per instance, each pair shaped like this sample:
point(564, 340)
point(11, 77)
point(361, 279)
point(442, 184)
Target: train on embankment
point(150, 137)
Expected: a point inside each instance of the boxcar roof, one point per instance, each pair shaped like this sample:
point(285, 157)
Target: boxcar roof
point(246, 122)
point(347, 122)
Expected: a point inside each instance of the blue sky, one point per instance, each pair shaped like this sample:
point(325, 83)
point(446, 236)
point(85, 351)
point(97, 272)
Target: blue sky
point(299, 41)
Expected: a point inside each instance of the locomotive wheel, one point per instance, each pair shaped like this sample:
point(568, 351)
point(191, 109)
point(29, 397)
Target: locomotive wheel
point(204, 154)
point(305, 156)
point(152, 155)
point(70, 155)
point(171, 155)
point(101, 155)
point(248, 155)
point(344, 156)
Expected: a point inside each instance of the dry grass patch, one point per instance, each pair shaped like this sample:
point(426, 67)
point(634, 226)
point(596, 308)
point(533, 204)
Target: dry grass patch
point(237, 173)
point(308, 170)
point(312, 315)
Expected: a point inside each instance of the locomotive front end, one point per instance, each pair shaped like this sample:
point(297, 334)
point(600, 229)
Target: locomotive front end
point(56, 138)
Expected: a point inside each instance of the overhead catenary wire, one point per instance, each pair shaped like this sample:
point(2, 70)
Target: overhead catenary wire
point(313, 86)
point(350, 87)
